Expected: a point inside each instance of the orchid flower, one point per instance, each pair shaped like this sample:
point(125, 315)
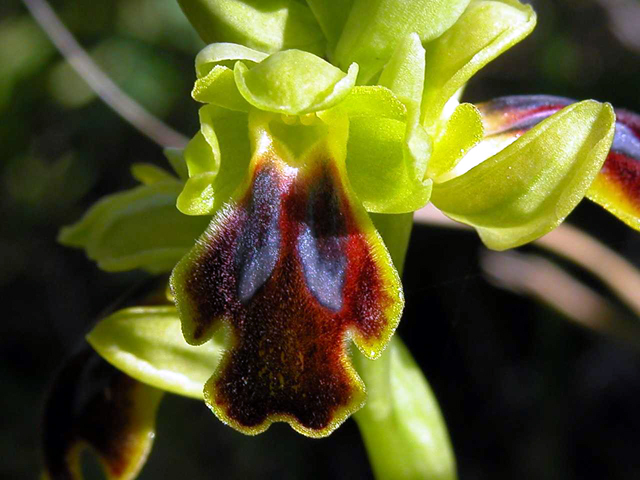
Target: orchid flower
point(285, 225)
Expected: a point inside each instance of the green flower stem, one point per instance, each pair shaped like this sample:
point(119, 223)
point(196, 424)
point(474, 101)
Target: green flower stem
point(401, 424)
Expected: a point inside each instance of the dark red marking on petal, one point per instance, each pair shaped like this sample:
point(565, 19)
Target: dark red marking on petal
point(93, 405)
point(625, 172)
point(617, 186)
point(332, 279)
point(518, 113)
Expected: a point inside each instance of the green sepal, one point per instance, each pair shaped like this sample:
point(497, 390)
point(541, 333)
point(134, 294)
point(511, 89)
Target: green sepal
point(294, 82)
point(148, 174)
point(462, 132)
point(374, 27)
point(147, 344)
point(529, 188)
point(404, 76)
point(265, 25)
point(404, 73)
point(138, 228)
point(401, 423)
point(485, 30)
point(217, 158)
point(175, 157)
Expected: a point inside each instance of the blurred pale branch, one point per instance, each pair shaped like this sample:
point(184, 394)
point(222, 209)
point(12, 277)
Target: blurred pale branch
point(542, 279)
point(105, 88)
point(536, 276)
point(624, 20)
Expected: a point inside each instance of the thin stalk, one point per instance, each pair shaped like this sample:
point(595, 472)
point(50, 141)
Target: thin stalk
point(127, 108)
point(401, 423)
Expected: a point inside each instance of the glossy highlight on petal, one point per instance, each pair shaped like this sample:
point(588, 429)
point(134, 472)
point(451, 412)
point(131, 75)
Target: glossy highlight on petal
point(293, 267)
point(93, 405)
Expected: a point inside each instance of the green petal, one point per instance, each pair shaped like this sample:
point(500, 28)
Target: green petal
point(139, 228)
point(484, 31)
point(401, 423)
point(147, 344)
point(528, 189)
point(217, 159)
point(373, 101)
point(462, 131)
point(148, 174)
point(225, 54)
point(294, 82)
point(380, 172)
point(387, 150)
point(265, 25)
point(374, 27)
point(331, 16)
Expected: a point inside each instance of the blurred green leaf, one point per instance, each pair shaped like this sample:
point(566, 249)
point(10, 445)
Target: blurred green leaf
point(24, 48)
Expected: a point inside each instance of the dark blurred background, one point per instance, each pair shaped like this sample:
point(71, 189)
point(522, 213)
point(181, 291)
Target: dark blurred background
point(525, 393)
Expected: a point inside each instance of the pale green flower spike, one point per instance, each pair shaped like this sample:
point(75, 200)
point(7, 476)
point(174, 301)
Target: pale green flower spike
point(387, 148)
point(325, 124)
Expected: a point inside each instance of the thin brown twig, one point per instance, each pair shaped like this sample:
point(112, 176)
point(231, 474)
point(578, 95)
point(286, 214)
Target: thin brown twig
point(98, 81)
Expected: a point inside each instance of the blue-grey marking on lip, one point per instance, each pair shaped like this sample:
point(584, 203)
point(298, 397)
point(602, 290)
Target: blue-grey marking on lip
point(321, 244)
point(259, 243)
